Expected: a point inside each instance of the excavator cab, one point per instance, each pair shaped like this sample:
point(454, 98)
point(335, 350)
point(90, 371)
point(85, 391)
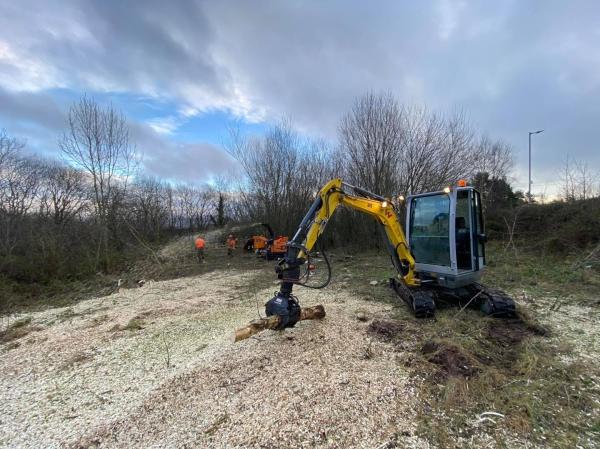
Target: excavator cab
point(446, 236)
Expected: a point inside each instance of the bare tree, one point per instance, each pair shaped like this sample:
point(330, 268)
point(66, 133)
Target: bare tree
point(492, 163)
point(493, 157)
point(283, 170)
point(371, 138)
point(391, 149)
point(422, 154)
point(19, 186)
point(149, 205)
point(170, 205)
point(194, 206)
point(97, 142)
point(65, 193)
point(9, 147)
point(578, 182)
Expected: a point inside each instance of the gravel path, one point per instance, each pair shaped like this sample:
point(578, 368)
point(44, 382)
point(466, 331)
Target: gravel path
point(155, 367)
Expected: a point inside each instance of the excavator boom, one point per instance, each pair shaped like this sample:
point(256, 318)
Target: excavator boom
point(336, 193)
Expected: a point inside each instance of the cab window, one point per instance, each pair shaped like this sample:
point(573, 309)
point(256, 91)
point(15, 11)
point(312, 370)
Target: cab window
point(430, 229)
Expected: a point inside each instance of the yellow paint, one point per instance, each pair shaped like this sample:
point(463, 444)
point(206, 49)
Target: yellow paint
point(333, 195)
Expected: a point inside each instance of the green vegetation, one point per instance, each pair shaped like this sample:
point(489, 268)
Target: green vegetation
point(134, 324)
point(519, 369)
point(539, 272)
point(142, 264)
point(510, 367)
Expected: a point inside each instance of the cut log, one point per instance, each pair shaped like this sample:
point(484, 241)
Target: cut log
point(271, 322)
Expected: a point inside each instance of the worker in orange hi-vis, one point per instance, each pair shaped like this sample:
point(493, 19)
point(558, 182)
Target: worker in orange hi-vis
point(231, 242)
point(200, 244)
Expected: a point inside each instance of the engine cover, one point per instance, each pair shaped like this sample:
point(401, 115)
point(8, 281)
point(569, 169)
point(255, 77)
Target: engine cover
point(287, 308)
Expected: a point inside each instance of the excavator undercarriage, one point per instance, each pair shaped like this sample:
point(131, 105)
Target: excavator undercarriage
point(424, 301)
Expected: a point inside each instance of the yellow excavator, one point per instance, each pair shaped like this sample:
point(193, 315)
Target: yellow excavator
point(441, 256)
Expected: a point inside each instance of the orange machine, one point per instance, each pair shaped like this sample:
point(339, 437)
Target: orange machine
point(277, 248)
point(259, 242)
point(270, 247)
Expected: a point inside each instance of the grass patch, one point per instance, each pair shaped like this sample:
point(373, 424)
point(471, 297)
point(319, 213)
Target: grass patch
point(185, 263)
point(543, 273)
point(20, 323)
point(22, 297)
point(467, 365)
point(31, 297)
point(510, 367)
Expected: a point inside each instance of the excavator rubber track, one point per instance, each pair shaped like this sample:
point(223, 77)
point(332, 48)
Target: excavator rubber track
point(495, 303)
point(421, 302)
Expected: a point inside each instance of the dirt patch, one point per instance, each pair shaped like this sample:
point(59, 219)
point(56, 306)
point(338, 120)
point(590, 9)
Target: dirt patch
point(76, 359)
point(97, 321)
point(155, 313)
point(511, 332)
point(386, 330)
point(134, 324)
point(17, 330)
point(452, 360)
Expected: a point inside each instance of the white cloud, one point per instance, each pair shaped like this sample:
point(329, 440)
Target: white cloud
point(164, 125)
point(449, 14)
point(18, 72)
point(512, 65)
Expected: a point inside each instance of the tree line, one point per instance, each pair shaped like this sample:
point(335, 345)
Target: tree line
point(73, 217)
point(69, 218)
point(382, 146)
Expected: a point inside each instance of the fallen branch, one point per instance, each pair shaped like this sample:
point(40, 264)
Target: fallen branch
point(467, 304)
point(271, 322)
point(485, 417)
point(590, 257)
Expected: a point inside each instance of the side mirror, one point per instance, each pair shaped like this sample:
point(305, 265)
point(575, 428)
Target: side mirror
point(482, 238)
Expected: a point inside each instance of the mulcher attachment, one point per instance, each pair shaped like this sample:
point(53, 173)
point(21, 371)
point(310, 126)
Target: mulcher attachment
point(422, 301)
point(286, 307)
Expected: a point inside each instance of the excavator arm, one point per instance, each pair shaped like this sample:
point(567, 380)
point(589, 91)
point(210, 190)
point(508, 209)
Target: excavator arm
point(330, 197)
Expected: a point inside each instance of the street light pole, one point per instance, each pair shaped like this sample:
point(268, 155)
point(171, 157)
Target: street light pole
point(529, 189)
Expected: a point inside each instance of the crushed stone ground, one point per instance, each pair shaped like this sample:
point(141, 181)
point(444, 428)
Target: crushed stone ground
point(155, 367)
point(179, 380)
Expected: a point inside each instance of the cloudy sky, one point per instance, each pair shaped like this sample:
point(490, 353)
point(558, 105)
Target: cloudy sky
point(182, 71)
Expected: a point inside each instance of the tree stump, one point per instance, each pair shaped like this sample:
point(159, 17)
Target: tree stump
point(271, 322)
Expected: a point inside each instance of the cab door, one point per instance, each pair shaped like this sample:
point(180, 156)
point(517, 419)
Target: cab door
point(479, 237)
point(463, 231)
point(469, 234)
point(429, 230)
